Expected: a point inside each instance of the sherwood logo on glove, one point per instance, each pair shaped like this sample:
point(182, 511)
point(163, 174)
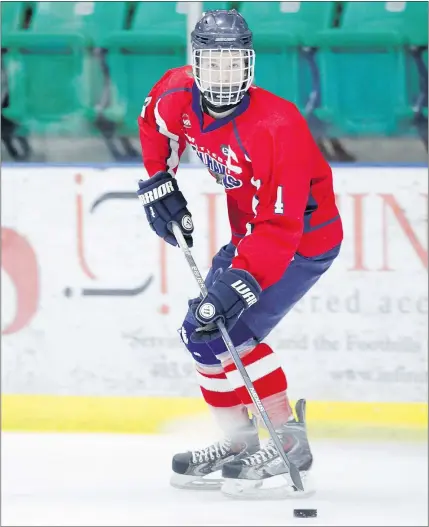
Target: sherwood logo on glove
point(187, 223)
point(245, 292)
point(157, 193)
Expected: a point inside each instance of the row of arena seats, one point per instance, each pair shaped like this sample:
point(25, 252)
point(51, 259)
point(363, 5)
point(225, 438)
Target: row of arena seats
point(75, 68)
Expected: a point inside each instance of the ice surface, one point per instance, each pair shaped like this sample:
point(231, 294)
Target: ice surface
point(89, 479)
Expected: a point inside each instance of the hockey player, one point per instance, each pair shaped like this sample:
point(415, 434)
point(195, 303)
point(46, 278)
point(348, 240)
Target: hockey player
point(285, 233)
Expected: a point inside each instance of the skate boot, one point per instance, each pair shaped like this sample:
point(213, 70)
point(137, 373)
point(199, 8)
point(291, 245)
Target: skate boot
point(197, 469)
point(264, 474)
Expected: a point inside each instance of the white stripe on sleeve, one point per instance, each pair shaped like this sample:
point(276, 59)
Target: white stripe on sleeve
point(173, 160)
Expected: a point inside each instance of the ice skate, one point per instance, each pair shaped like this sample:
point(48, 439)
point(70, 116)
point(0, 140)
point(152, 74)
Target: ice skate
point(263, 474)
point(198, 469)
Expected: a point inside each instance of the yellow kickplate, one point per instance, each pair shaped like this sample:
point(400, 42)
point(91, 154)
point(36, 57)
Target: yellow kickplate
point(153, 414)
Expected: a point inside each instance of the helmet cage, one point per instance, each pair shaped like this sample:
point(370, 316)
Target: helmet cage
point(223, 75)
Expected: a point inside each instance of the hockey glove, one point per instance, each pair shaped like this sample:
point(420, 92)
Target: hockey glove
point(163, 203)
point(233, 292)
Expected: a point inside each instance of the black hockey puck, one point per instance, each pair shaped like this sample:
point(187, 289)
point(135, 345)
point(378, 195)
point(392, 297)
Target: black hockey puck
point(305, 513)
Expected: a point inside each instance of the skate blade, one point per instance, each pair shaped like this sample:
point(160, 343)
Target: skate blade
point(275, 488)
point(182, 481)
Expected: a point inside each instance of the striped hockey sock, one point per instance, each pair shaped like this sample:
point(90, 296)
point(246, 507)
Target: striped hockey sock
point(226, 406)
point(266, 373)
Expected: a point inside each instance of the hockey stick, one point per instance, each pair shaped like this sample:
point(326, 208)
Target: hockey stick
point(292, 469)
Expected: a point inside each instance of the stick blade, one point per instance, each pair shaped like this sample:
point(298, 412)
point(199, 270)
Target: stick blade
point(295, 476)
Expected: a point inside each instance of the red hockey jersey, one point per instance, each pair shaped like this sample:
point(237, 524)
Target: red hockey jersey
point(278, 185)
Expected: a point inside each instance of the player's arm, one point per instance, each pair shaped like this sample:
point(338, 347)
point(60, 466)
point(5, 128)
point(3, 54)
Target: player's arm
point(283, 165)
point(161, 137)
point(162, 144)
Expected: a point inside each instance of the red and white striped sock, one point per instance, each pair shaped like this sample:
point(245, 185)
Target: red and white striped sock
point(226, 406)
point(266, 373)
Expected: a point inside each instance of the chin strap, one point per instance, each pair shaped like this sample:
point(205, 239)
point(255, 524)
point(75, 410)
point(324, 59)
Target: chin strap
point(207, 105)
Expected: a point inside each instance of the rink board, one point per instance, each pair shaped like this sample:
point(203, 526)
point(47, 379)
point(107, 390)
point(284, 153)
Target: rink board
point(396, 421)
point(92, 301)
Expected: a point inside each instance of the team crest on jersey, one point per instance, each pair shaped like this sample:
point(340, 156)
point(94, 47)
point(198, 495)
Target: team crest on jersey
point(219, 171)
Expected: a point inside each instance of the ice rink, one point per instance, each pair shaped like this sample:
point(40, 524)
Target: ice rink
point(73, 479)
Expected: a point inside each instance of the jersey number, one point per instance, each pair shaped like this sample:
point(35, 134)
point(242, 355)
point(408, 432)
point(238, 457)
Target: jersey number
point(279, 207)
point(146, 103)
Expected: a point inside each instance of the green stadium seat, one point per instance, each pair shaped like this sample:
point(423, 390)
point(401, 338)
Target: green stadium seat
point(137, 58)
point(281, 30)
point(277, 23)
point(11, 17)
point(54, 78)
point(94, 20)
point(380, 23)
point(12, 20)
point(366, 70)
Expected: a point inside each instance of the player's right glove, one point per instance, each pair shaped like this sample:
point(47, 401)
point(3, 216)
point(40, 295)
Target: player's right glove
point(234, 291)
point(163, 203)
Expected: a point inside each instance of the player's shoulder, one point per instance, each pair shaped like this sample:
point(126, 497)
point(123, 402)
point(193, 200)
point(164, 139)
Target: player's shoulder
point(175, 80)
point(273, 109)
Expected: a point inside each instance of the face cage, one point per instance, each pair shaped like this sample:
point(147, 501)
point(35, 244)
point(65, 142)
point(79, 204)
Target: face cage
point(223, 86)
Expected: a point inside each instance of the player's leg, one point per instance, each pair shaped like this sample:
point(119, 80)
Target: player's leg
point(226, 406)
point(269, 380)
point(263, 364)
point(198, 468)
point(244, 475)
point(223, 390)
point(240, 434)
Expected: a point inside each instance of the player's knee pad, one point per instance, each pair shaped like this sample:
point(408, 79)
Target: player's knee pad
point(201, 352)
point(207, 353)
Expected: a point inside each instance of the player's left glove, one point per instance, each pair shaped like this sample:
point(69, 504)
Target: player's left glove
point(233, 292)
